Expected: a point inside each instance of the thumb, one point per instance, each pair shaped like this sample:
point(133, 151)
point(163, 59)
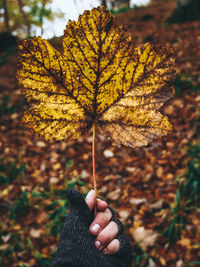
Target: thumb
point(91, 199)
point(76, 199)
point(79, 208)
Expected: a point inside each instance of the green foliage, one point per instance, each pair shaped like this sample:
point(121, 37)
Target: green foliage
point(10, 171)
point(7, 41)
point(147, 17)
point(15, 245)
point(57, 208)
point(193, 263)
point(9, 52)
point(139, 257)
point(123, 9)
point(8, 108)
point(24, 204)
point(44, 261)
point(184, 83)
point(149, 38)
point(33, 13)
point(187, 196)
point(176, 220)
point(20, 208)
point(189, 12)
point(57, 213)
point(39, 12)
point(41, 260)
point(8, 46)
point(136, 7)
point(191, 187)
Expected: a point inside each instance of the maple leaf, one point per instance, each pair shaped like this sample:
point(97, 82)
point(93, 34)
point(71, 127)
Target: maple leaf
point(100, 79)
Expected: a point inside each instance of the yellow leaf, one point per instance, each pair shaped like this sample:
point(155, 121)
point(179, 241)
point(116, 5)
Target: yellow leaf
point(186, 242)
point(100, 78)
point(4, 192)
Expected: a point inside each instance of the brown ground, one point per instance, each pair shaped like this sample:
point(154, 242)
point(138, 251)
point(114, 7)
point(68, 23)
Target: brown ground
point(139, 183)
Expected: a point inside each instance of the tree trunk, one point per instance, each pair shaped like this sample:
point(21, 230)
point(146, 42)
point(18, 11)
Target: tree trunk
point(6, 16)
point(25, 18)
point(42, 15)
point(103, 3)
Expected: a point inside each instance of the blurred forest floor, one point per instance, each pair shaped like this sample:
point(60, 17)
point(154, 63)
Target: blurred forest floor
point(155, 190)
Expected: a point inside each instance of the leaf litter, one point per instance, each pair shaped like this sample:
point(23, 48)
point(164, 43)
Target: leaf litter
point(137, 174)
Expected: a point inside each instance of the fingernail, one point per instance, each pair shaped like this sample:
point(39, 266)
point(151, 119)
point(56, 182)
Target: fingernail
point(95, 228)
point(97, 244)
point(90, 194)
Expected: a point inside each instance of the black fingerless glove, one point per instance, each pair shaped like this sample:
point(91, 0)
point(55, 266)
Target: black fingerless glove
point(76, 246)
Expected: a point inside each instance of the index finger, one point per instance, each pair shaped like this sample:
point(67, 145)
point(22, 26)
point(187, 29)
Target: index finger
point(101, 205)
point(91, 201)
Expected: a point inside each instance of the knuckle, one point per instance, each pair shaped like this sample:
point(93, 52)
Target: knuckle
point(101, 205)
point(119, 224)
point(108, 214)
point(102, 238)
point(108, 233)
point(114, 227)
point(113, 246)
point(102, 218)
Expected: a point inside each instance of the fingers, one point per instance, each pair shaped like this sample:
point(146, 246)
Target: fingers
point(101, 205)
point(91, 201)
point(100, 221)
point(112, 247)
point(104, 229)
point(106, 236)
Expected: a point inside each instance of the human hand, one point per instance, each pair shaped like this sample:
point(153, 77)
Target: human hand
point(77, 245)
point(102, 227)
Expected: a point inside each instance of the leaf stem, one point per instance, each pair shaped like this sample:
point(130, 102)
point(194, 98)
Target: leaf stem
point(93, 165)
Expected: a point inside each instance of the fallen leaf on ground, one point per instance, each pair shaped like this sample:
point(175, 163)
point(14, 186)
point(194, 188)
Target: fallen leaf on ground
point(146, 237)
